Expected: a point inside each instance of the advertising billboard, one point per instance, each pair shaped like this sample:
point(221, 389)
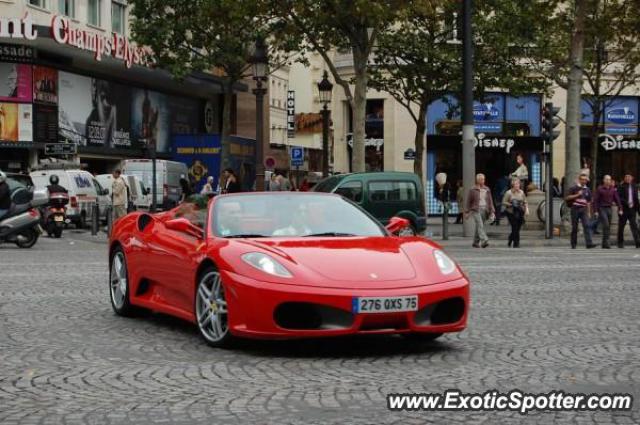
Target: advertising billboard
point(45, 85)
point(150, 119)
point(185, 115)
point(201, 153)
point(16, 122)
point(15, 82)
point(93, 112)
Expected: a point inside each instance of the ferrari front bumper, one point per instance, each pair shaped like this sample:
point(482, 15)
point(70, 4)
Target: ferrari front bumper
point(271, 310)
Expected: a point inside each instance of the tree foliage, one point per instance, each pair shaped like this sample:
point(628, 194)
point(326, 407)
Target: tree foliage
point(419, 59)
point(342, 26)
point(201, 35)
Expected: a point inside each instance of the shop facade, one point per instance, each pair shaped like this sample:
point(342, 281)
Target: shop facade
point(616, 135)
point(505, 126)
point(63, 82)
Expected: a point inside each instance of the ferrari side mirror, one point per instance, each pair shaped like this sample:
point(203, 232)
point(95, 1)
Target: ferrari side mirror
point(396, 224)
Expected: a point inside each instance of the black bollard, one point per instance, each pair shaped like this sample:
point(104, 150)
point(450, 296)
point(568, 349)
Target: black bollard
point(445, 221)
point(109, 219)
point(95, 219)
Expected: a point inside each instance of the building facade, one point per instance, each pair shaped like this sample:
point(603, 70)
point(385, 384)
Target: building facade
point(72, 77)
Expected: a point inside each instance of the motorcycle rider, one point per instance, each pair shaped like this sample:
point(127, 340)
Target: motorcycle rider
point(5, 195)
point(54, 186)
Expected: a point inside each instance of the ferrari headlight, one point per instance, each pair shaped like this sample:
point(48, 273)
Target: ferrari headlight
point(445, 264)
point(266, 264)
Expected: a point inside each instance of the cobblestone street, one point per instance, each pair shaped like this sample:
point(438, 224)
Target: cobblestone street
point(543, 318)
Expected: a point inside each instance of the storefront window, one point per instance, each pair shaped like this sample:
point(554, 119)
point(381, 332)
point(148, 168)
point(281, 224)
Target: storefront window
point(118, 17)
point(67, 8)
point(94, 15)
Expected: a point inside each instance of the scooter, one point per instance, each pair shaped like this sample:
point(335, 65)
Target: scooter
point(21, 224)
point(54, 217)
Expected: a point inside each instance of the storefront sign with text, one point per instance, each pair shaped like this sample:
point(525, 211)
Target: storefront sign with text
point(114, 45)
point(610, 143)
point(493, 142)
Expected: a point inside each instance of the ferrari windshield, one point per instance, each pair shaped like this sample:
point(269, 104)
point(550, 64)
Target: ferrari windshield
point(290, 215)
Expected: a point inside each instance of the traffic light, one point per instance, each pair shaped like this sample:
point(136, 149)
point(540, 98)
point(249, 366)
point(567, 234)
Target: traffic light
point(550, 120)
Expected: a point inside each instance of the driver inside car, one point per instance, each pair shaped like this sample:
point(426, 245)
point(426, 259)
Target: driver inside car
point(295, 225)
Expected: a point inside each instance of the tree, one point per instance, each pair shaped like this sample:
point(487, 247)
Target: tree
point(420, 60)
point(201, 35)
point(343, 26)
point(611, 62)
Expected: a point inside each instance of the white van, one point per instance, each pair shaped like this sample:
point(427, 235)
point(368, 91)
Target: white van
point(168, 190)
point(140, 195)
point(84, 191)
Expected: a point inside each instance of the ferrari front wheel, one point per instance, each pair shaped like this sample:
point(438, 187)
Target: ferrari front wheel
point(119, 284)
point(212, 314)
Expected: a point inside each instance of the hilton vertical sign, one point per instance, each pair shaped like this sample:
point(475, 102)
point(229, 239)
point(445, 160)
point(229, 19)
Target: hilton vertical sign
point(291, 114)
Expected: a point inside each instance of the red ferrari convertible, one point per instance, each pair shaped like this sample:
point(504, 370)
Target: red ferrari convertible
point(284, 265)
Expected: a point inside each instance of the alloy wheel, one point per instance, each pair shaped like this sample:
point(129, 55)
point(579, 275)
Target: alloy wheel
point(118, 279)
point(211, 308)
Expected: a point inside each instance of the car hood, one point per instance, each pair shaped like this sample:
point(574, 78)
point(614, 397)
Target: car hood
point(367, 259)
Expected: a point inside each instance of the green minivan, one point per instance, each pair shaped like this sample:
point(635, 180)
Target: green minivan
point(383, 195)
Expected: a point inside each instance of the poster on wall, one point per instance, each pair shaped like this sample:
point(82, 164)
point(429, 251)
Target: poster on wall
point(150, 119)
point(16, 122)
point(25, 122)
point(46, 123)
point(45, 85)
point(185, 115)
point(202, 156)
point(15, 82)
point(93, 112)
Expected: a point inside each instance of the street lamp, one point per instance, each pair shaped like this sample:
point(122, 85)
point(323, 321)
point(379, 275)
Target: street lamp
point(260, 62)
point(325, 90)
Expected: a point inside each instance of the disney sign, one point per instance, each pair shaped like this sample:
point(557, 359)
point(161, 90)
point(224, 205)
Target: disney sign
point(481, 141)
point(610, 143)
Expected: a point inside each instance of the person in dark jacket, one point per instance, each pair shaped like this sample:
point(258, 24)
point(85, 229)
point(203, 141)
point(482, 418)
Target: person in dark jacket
point(628, 194)
point(231, 184)
point(54, 185)
point(606, 196)
point(186, 188)
point(5, 195)
point(579, 197)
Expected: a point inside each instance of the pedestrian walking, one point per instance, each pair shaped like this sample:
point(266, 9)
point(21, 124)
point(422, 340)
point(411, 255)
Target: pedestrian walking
point(479, 206)
point(274, 184)
point(516, 208)
point(231, 184)
point(628, 194)
point(119, 196)
point(579, 198)
point(604, 199)
point(522, 172)
point(207, 188)
point(186, 188)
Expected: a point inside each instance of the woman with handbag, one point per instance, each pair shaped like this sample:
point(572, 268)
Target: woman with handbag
point(515, 205)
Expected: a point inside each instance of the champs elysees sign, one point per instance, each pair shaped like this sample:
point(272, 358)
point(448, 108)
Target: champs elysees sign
point(63, 32)
point(114, 45)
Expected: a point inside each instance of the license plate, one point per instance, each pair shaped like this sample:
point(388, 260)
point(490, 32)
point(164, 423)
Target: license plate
point(385, 304)
point(58, 218)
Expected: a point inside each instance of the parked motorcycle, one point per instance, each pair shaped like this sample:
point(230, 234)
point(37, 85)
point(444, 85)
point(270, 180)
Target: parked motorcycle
point(21, 224)
point(55, 214)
